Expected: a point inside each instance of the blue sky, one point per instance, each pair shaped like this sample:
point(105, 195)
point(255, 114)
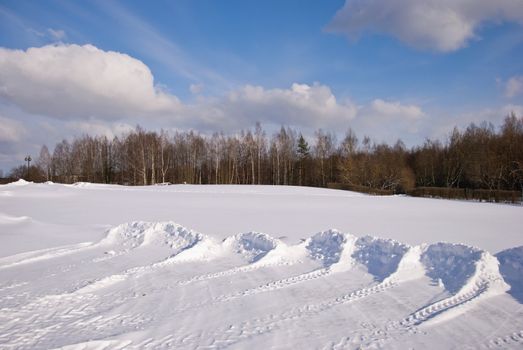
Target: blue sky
point(409, 69)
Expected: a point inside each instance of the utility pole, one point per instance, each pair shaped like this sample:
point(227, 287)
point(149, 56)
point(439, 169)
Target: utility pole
point(28, 159)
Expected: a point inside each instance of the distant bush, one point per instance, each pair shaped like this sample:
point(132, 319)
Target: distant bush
point(498, 196)
point(6, 180)
point(362, 189)
point(468, 194)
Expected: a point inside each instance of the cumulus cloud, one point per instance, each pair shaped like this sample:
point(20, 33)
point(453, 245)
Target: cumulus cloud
point(386, 121)
point(306, 105)
point(72, 81)
point(82, 84)
point(70, 90)
point(439, 25)
point(514, 86)
point(395, 110)
point(98, 128)
point(300, 105)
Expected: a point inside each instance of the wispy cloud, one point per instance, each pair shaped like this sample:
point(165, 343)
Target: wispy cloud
point(153, 44)
point(56, 34)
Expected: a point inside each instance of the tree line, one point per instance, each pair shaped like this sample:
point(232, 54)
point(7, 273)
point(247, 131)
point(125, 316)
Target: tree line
point(479, 157)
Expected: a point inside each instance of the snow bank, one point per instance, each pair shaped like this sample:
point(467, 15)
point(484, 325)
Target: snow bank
point(450, 264)
point(326, 247)
point(138, 234)
point(460, 269)
point(409, 267)
point(468, 273)
point(19, 183)
point(511, 268)
point(253, 246)
point(8, 219)
point(380, 256)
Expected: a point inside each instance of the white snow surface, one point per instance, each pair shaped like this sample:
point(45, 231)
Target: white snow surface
point(88, 266)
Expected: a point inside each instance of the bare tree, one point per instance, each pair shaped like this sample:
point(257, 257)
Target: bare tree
point(45, 162)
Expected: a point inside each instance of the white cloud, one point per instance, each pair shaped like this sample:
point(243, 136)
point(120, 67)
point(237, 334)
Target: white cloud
point(72, 81)
point(11, 130)
point(514, 86)
point(511, 108)
point(387, 121)
point(396, 110)
point(69, 90)
point(440, 25)
point(83, 83)
point(440, 128)
point(300, 105)
point(98, 128)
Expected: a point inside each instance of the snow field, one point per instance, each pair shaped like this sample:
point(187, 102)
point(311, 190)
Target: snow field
point(156, 284)
point(115, 309)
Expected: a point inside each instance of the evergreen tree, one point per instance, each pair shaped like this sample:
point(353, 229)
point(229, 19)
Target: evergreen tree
point(303, 148)
point(303, 153)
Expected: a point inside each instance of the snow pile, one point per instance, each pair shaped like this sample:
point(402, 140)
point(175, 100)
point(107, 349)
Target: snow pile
point(511, 268)
point(137, 234)
point(468, 273)
point(487, 277)
point(8, 219)
point(19, 183)
point(450, 264)
point(326, 247)
point(380, 256)
point(83, 184)
point(251, 245)
point(409, 268)
point(204, 250)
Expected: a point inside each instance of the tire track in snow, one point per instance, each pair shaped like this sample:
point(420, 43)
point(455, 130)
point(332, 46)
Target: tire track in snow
point(512, 340)
point(82, 315)
point(125, 239)
point(264, 288)
point(408, 265)
point(277, 321)
point(231, 272)
point(44, 254)
point(76, 316)
point(232, 334)
point(484, 281)
point(431, 311)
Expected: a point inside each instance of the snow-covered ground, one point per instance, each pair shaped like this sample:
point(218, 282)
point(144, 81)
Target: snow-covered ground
point(166, 267)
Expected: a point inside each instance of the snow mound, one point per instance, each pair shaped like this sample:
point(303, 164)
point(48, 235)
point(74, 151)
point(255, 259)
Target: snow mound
point(82, 184)
point(511, 268)
point(326, 247)
point(20, 182)
point(205, 249)
point(468, 273)
point(8, 219)
point(138, 234)
point(409, 268)
point(252, 245)
point(450, 264)
point(380, 256)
